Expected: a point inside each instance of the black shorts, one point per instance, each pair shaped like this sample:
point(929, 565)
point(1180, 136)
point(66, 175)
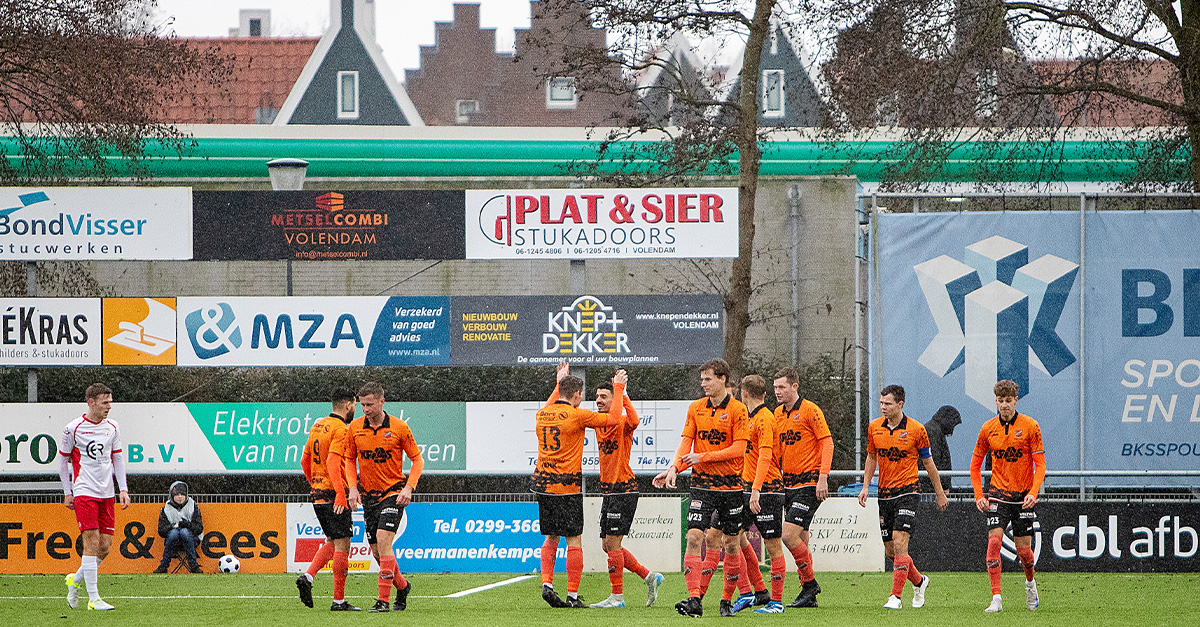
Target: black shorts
point(799, 505)
point(383, 515)
point(1002, 514)
point(560, 514)
point(898, 514)
point(616, 513)
point(725, 505)
point(770, 519)
point(335, 526)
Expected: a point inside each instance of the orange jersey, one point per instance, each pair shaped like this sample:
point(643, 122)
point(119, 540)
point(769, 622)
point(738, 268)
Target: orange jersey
point(327, 436)
point(1012, 447)
point(897, 451)
point(380, 454)
point(762, 435)
point(614, 445)
point(713, 428)
point(800, 428)
point(560, 432)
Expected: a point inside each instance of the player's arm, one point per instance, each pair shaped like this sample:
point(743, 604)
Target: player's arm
point(596, 420)
point(931, 468)
point(333, 467)
point(868, 471)
point(765, 456)
point(666, 478)
point(826, 444)
point(414, 474)
point(631, 416)
point(306, 463)
point(1039, 475)
point(118, 462)
point(735, 450)
point(65, 445)
point(350, 470)
point(981, 452)
point(563, 371)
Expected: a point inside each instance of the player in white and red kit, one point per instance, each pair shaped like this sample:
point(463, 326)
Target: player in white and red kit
point(90, 455)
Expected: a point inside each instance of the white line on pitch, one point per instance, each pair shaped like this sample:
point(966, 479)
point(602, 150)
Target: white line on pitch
point(506, 582)
point(192, 596)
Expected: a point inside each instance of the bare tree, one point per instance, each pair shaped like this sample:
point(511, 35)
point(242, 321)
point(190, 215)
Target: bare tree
point(702, 133)
point(83, 80)
point(1011, 77)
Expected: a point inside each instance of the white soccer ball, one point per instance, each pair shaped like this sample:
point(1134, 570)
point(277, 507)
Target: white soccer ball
point(228, 564)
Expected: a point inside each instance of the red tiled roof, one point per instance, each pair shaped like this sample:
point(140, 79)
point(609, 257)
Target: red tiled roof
point(1155, 78)
point(264, 70)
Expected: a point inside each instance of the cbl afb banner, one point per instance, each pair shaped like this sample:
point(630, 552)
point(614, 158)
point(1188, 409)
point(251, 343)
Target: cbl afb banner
point(970, 298)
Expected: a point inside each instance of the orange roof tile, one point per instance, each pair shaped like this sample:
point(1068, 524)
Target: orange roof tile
point(264, 70)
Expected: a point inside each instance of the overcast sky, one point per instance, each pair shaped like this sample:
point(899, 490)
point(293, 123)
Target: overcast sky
point(402, 26)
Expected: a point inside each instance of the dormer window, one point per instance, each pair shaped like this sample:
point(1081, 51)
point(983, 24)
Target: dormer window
point(560, 93)
point(772, 93)
point(464, 109)
point(347, 92)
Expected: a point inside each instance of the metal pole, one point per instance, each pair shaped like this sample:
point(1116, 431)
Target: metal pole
point(578, 287)
point(31, 289)
point(793, 194)
point(287, 175)
point(1082, 340)
point(289, 276)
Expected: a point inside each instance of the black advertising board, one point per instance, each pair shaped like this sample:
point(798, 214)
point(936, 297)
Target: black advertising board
point(585, 330)
point(1069, 537)
point(328, 225)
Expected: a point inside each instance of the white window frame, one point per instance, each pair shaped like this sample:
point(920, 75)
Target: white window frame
point(341, 113)
point(554, 103)
point(987, 97)
point(782, 110)
point(459, 116)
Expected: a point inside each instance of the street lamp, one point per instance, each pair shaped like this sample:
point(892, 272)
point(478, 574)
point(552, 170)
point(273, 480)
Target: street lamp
point(287, 174)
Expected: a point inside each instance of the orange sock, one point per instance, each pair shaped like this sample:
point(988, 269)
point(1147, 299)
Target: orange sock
point(387, 572)
point(914, 575)
point(778, 571)
point(993, 562)
point(341, 564)
point(750, 559)
point(549, 549)
point(733, 569)
point(320, 559)
point(1025, 554)
point(574, 568)
point(803, 559)
point(900, 573)
point(712, 557)
point(616, 571)
point(634, 566)
point(691, 574)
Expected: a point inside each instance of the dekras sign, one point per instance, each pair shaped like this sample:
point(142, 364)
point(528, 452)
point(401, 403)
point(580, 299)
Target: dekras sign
point(602, 223)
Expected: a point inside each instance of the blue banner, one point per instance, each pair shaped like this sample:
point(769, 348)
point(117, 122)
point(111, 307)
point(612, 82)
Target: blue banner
point(472, 538)
point(962, 300)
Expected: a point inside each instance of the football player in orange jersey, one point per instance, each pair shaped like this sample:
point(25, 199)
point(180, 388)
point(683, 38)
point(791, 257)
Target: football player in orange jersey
point(323, 468)
point(620, 490)
point(713, 446)
point(558, 477)
point(762, 486)
point(1014, 442)
point(805, 455)
point(376, 444)
point(894, 443)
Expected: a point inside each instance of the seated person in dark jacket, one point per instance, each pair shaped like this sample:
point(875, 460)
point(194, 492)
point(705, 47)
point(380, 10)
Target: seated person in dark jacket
point(938, 429)
point(180, 523)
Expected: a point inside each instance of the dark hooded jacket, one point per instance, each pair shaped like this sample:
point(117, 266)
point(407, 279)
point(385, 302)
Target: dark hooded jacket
point(187, 515)
point(938, 428)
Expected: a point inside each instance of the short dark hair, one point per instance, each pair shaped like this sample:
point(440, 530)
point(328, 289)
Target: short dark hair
point(788, 373)
point(569, 386)
point(754, 385)
point(607, 385)
point(719, 368)
point(97, 389)
point(1006, 387)
point(897, 392)
point(342, 395)
point(371, 388)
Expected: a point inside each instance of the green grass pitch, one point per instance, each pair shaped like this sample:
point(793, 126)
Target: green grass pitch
point(849, 599)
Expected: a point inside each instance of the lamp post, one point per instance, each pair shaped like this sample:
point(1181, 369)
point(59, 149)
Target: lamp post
point(287, 174)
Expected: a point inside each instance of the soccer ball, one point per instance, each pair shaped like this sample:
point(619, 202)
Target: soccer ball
point(228, 564)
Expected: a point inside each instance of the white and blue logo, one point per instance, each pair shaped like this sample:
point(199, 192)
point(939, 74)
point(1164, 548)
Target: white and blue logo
point(212, 331)
point(996, 314)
